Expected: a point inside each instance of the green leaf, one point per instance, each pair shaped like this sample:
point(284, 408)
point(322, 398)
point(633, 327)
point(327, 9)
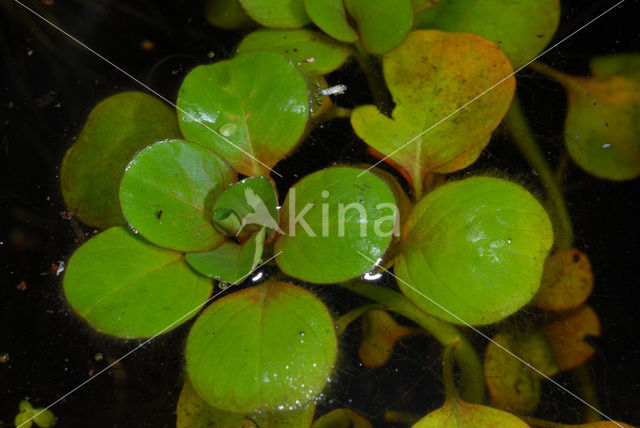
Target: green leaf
point(227, 14)
point(466, 415)
point(264, 348)
point(256, 103)
point(277, 13)
point(331, 17)
point(167, 194)
point(126, 287)
point(194, 412)
point(313, 52)
point(476, 247)
point(230, 262)
point(619, 64)
point(328, 218)
point(602, 128)
point(431, 75)
point(382, 24)
point(341, 418)
point(422, 5)
point(522, 28)
point(92, 168)
point(254, 203)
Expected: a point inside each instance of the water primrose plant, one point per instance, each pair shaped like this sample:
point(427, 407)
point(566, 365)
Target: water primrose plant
point(186, 199)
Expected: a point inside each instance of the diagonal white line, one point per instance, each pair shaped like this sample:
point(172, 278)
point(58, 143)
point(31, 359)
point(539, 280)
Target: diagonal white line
point(492, 87)
point(148, 88)
point(197, 308)
point(492, 341)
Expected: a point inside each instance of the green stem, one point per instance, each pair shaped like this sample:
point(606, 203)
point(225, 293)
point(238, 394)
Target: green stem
point(379, 91)
point(343, 322)
point(522, 136)
point(333, 113)
point(582, 377)
point(445, 333)
point(447, 373)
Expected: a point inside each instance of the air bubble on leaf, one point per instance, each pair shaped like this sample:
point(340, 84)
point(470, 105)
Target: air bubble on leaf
point(228, 129)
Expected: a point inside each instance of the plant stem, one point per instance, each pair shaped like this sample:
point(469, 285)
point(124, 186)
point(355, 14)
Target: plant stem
point(582, 377)
point(333, 113)
point(445, 333)
point(522, 136)
point(379, 91)
point(343, 322)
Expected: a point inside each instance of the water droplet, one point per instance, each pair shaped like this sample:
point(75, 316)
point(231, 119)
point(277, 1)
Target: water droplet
point(4, 358)
point(98, 357)
point(228, 129)
point(211, 54)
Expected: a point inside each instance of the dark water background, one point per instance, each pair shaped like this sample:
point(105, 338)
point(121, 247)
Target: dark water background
point(49, 85)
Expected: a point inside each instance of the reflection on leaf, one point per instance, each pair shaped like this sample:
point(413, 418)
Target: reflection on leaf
point(193, 412)
point(265, 348)
point(380, 332)
point(566, 336)
point(313, 52)
point(567, 281)
point(256, 103)
point(602, 128)
point(431, 75)
point(476, 247)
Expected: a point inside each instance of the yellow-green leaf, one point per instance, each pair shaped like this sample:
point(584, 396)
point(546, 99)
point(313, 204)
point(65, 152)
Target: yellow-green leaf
point(460, 414)
point(431, 75)
point(522, 28)
point(277, 13)
point(341, 418)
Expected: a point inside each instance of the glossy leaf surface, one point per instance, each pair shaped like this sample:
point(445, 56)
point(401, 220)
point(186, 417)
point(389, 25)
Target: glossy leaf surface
point(312, 51)
point(277, 13)
point(230, 262)
point(194, 412)
point(431, 75)
point(331, 17)
point(329, 218)
point(476, 247)
point(167, 194)
point(266, 348)
point(92, 169)
point(127, 287)
point(253, 107)
point(567, 281)
point(522, 28)
point(466, 415)
point(382, 24)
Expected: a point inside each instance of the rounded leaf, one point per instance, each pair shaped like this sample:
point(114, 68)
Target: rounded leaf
point(277, 13)
point(618, 64)
point(227, 14)
point(331, 17)
point(167, 194)
point(126, 287)
point(521, 28)
point(335, 223)
point(92, 169)
point(467, 415)
point(382, 24)
point(313, 52)
point(430, 133)
point(476, 247)
point(264, 348)
point(254, 109)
